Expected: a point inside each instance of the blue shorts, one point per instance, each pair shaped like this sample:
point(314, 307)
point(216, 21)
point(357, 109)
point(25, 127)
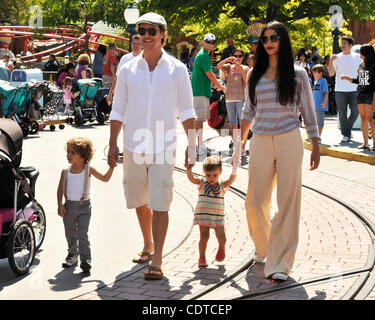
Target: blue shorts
point(320, 118)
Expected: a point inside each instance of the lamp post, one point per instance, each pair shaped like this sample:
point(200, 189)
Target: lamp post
point(336, 23)
point(131, 15)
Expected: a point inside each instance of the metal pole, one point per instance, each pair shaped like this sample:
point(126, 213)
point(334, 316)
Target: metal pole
point(336, 45)
point(131, 30)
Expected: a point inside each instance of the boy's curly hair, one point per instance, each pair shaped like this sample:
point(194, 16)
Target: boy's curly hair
point(83, 146)
point(212, 163)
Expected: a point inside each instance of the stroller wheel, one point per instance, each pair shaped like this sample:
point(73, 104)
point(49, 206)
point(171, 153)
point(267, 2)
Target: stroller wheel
point(39, 226)
point(69, 121)
point(78, 120)
point(101, 118)
point(52, 127)
point(21, 247)
point(61, 126)
point(34, 127)
point(25, 129)
point(42, 126)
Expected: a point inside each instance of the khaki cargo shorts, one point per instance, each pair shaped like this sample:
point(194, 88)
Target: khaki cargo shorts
point(202, 108)
point(147, 184)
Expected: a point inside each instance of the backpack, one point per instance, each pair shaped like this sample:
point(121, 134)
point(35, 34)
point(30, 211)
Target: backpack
point(218, 110)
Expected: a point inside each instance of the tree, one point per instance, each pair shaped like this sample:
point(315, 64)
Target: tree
point(14, 11)
point(286, 11)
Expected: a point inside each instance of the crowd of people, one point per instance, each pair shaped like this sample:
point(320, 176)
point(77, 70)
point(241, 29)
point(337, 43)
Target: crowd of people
point(154, 88)
point(269, 91)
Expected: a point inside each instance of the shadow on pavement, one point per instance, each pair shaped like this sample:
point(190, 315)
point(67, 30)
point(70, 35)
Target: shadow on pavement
point(8, 277)
point(203, 277)
point(66, 280)
point(255, 283)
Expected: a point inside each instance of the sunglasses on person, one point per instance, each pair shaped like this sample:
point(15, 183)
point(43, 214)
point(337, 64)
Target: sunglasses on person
point(273, 38)
point(211, 42)
point(238, 55)
point(151, 31)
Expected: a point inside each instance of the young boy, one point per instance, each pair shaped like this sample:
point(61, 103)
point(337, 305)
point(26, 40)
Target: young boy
point(320, 93)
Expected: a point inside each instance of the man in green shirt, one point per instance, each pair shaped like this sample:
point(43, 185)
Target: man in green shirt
point(201, 80)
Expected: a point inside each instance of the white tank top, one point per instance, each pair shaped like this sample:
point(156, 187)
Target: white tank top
point(74, 185)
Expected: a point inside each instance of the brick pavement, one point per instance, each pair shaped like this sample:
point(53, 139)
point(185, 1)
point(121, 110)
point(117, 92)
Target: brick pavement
point(332, 240)
point(182, 275)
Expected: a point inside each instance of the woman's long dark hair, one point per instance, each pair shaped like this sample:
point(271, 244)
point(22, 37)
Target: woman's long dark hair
point(368, 52)
point(285, 76)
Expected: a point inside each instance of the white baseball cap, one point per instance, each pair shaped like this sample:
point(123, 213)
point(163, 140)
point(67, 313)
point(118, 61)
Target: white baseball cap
point(152, 18)
point(209, 37)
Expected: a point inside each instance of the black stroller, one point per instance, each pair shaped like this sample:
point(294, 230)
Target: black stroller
point(22, 218)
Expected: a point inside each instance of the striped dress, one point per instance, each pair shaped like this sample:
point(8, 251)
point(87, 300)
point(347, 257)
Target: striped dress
point(209, 211)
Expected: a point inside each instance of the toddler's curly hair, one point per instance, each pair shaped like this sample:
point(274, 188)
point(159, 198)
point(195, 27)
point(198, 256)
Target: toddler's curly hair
point(212, 163)
point(83, 146)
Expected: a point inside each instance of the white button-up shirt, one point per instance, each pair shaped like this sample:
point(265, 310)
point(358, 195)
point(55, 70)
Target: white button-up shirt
point(148, 103)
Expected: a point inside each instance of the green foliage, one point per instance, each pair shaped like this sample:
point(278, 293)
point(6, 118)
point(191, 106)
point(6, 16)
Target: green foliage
point(313, 32)
point(307, 20)
point(14, 10)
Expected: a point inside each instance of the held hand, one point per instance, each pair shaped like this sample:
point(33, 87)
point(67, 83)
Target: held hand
point(113, 156)
point(190, 157)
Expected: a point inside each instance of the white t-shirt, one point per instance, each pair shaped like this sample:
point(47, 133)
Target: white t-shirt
point(346, 64)
point(124, 59)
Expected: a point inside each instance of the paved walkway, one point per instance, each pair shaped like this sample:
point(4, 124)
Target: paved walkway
point(331, 143)
point(332, 239)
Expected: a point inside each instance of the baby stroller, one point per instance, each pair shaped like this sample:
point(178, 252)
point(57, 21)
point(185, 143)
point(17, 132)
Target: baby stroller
point(85, 106)
point(101, 99)
point(22, 218)
point(15, 103)
point(52, 98)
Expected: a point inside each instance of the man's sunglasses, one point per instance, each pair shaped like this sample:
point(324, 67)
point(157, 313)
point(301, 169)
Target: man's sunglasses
point(238, 55)
point(151, 31)
point(273, 38)
point(211, 42)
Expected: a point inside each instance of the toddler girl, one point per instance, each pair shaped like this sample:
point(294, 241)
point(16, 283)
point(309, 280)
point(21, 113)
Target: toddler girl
point(67, 87)
point(209, 212)
point(76, 211)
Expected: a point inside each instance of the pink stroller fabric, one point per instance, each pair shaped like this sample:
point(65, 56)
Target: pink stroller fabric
point(6, 215)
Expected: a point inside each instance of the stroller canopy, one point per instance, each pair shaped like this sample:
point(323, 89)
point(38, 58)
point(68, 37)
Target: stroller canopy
point(11, 140)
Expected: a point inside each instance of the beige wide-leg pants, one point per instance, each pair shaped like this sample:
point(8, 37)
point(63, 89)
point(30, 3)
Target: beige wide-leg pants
point(275, 160)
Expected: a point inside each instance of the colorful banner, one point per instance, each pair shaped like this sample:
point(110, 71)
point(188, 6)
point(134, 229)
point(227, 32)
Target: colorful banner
point(254, 30)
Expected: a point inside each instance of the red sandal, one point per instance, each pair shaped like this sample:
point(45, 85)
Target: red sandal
point(220, 255)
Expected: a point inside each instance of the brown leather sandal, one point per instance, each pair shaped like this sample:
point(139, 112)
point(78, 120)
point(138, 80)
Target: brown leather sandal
point(153, 276)
point(144, 257)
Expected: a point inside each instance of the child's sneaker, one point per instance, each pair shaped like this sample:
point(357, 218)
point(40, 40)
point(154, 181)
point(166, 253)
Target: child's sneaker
point(258, 259)
point(280, 276)
point(85, 266)
point(202, 263)
point(70, 261)
point(220, 255)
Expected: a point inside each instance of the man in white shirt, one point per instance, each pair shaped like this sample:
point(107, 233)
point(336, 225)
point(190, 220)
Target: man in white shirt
point(153, 89)
point(345, 63)
point(136, 50)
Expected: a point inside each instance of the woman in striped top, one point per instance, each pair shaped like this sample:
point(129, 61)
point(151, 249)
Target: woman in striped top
point(277, 93)
point(209, 212)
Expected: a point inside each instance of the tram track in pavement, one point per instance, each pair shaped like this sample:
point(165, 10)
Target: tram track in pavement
point(361, 288)
point(365, 276)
